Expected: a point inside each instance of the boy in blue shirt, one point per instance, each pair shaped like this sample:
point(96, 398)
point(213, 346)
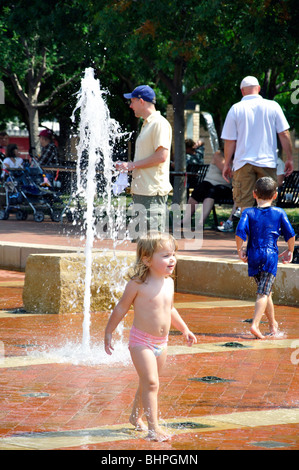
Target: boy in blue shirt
point(262, 225)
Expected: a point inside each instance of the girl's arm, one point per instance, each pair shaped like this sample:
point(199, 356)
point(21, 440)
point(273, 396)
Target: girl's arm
point(119, 312)
point(179, 324)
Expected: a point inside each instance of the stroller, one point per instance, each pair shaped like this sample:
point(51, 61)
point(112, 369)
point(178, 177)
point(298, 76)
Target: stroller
point(24, 193)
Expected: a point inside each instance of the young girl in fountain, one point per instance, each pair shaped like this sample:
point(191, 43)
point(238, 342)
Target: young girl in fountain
point(263, 225)
point(150, 291)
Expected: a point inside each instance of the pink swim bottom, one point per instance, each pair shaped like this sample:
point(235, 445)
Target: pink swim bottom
point(157, 344)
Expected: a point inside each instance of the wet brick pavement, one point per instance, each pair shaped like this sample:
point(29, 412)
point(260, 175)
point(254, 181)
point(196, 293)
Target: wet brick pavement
point(51, 398)
point(46, 403)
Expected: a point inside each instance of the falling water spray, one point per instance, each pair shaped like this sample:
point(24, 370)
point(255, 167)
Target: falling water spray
point(97, 136)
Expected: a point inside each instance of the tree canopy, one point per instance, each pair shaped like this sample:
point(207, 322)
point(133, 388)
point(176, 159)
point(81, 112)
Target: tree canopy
point(201, 50)
point(39, 53)
point(184, 49)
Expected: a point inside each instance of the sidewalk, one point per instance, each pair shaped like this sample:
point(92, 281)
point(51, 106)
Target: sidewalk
point(215, 244)
point(229, 391)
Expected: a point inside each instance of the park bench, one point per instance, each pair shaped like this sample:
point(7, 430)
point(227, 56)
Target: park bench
point(288, 198)
point(218, 201)
point(193, 179)
point(288, 195)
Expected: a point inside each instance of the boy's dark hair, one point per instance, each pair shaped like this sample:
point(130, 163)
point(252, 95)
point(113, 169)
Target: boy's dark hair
point(265, 188)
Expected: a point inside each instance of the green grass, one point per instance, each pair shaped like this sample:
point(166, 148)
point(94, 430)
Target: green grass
point(223, 213)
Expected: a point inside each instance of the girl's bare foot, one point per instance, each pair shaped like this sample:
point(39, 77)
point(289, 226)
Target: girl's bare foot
point(138, 423)
point(158, 436)
point(256, 332)
point(274, 329)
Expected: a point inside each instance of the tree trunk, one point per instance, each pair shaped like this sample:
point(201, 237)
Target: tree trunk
point(33, 130)
point(179, 189)
point(30, 104)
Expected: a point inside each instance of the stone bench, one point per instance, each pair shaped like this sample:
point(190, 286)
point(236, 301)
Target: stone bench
point(229, 278)
point(54, 283)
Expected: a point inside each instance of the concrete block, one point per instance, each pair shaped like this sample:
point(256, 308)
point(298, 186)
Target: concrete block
point(31, 249)
point(55, 283)
point(1, 255)
point(229, 278)
point(11, 256)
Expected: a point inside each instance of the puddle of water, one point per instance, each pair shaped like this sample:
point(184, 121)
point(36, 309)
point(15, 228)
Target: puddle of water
point(76, 354)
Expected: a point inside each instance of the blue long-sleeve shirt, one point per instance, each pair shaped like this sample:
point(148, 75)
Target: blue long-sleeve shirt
point(263, 226)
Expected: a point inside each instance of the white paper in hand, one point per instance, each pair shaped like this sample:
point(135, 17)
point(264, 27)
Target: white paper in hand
point(120, 184)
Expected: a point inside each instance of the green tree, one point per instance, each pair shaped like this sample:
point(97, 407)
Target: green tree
point(162, 44)
point(184, 49)
point(258, 37)
point(200, 49)
point(40, 53)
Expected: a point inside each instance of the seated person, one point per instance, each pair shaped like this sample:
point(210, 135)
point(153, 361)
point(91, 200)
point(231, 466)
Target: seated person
point(194, 159)
point(194, 152)
point(228, 224)
point(213, 186)
point(49, 153)
point(12, 160)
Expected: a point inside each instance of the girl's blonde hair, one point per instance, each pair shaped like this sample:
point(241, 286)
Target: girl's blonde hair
point(146, 247)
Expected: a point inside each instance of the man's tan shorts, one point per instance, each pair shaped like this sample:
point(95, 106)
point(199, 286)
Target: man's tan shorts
point(244, 181)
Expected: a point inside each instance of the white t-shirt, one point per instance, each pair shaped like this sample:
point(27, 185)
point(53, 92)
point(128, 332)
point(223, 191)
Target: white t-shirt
point(254, 123)
point(9, 164)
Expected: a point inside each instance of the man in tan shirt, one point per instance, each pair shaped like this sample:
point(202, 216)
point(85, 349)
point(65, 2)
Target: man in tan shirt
point(150, 168)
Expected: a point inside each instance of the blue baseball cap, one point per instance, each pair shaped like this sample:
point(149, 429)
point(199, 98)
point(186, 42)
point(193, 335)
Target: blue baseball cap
point(143, 91)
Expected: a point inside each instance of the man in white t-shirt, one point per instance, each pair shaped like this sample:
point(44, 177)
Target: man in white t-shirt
point(250, 134)
point(150, 168)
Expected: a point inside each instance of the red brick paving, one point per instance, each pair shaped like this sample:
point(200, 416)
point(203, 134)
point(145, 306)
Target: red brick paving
point(76, 397)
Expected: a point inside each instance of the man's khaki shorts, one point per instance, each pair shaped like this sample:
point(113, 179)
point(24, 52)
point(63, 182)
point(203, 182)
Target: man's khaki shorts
point(244, 181)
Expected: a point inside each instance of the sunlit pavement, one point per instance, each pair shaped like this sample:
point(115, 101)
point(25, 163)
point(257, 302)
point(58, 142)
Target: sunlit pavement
point(229, 391)
point(212, 243)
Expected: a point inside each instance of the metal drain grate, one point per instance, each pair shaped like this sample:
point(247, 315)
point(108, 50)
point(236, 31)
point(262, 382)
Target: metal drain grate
point(270, 444)
point(234, 345)
point(187, 425)
point(20, 311)
point(36, 395)
point(211, 379)
point(250, 320)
